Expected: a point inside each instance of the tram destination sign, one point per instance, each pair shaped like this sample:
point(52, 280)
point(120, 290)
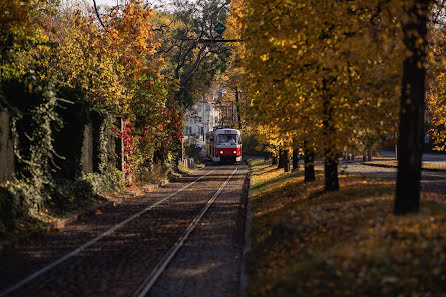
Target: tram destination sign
point(220, 28)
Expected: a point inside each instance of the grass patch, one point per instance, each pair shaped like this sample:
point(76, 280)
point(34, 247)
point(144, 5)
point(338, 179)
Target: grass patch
point(307, 242)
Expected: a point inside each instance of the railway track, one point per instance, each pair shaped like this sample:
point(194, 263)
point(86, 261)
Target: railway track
point(122, 252)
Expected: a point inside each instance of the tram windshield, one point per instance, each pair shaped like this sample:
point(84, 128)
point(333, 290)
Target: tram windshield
point(228, 139)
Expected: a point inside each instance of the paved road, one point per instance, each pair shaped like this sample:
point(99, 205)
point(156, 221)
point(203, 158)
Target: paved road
point(84, 261)
point(435, 159)
point(434, 182)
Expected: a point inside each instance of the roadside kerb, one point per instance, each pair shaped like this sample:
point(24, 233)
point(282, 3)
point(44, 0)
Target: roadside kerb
point(59, 225)
point(394, 166)
point(244, 279)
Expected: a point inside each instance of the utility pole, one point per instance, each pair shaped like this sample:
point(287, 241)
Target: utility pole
point(237, 106)
point(232, 114)
point(203, 107)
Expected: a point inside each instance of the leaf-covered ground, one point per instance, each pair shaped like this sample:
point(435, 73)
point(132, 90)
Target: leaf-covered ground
point(306, 242)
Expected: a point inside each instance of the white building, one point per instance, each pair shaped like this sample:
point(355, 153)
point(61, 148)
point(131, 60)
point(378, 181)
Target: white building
point(201, 119)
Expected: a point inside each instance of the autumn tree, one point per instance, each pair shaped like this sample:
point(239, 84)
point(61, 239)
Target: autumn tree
point(435, 95)
point(411, 128)
point(186, 33)
point(307, 65)
point(20, 33)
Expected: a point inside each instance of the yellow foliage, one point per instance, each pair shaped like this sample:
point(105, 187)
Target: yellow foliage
point(309, 67)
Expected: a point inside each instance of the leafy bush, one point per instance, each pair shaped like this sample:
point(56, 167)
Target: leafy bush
point(12, 206)
point(192, 150)
point(105, 183)
point(67, 194)
point(20, 199)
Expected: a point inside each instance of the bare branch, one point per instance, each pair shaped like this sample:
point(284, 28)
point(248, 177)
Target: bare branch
point(197, 62)
point(97, 14)
point(161, 28)
point(182, 61)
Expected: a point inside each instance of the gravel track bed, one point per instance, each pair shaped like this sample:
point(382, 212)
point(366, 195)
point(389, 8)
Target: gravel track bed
point(209, 262)
point(116, 264)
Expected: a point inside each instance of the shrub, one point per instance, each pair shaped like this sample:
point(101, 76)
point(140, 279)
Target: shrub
point(105, 183)
point(67, 194)
point(192, 150)
point(17, 200)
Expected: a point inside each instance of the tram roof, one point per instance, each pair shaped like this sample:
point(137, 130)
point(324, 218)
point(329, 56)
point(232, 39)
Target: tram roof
point(225, 131)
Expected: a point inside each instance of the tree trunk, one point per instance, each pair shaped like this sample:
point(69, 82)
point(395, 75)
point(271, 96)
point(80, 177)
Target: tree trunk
point(295, 159)
point(364, 156)
point(309, 165)
point(331, 171)
point(281, 159)
point(411, 128)
point(369, 154)
point(331, 158)
point(353, 155)
point(286, 160)
point(274, 161)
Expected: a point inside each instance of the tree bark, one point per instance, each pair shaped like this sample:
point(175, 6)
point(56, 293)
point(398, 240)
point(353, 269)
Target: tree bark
point(309, 165)
point(274, 161)
point(331, 158)
point(295, 159)
point(281, 159)
point(331, 171)
point(286, 160)
point(411, 130)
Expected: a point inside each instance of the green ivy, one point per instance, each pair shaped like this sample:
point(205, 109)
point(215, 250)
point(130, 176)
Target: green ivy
point(104, 144)
point(31, 103)
point(70, 194)
point(105, 183)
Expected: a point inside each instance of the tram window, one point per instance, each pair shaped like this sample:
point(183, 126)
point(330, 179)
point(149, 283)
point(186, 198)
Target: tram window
point(227, 139)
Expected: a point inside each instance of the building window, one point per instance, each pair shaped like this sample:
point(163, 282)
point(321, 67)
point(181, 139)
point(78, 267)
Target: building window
point(199, 119)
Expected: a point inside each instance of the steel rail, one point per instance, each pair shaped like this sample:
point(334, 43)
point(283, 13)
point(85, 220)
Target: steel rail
point(151, 279)
point(94, 240)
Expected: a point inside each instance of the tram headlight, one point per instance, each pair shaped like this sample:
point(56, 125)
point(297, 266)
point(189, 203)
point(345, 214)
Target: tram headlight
point(235, 152)
point(221, 152)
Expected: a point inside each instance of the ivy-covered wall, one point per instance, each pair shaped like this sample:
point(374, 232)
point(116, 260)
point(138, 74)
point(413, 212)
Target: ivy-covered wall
point(6, 150)
point(61, 150)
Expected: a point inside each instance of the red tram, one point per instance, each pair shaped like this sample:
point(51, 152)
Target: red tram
point(224, 145)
